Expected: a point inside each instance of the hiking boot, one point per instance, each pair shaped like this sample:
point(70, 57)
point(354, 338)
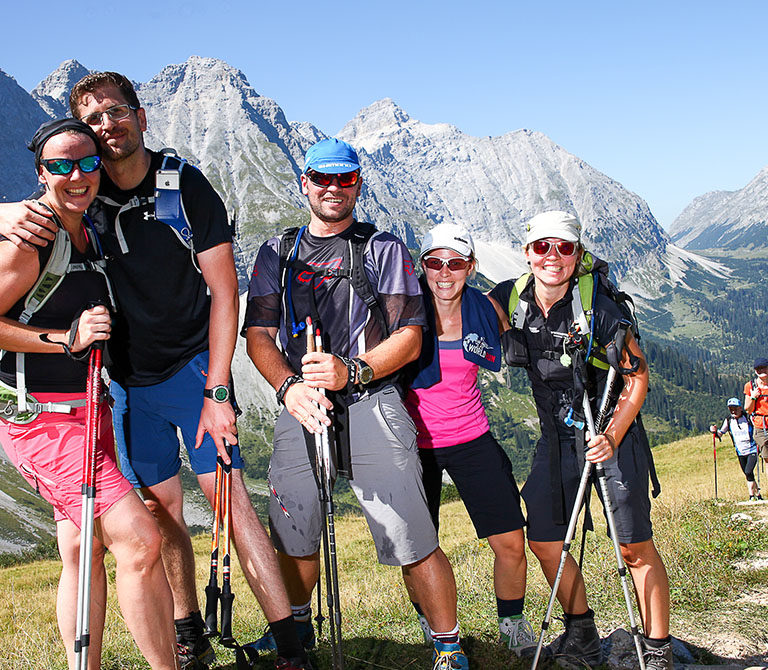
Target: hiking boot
point(189, 660)
point(292, 664)
point(658, 658)
point(194, 650)
point(425, 629)
point(517, 634)
point(449, 656)
point(578, 646)
point(266, 642)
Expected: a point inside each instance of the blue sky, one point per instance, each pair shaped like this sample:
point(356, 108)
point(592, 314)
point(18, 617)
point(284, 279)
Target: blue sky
point(668, 98)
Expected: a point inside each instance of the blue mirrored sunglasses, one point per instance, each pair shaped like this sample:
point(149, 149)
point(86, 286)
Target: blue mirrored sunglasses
point(64, 166)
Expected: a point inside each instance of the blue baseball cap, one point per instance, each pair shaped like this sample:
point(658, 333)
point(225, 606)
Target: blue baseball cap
point(331, 156)
point(760, 363)
point(733, 402)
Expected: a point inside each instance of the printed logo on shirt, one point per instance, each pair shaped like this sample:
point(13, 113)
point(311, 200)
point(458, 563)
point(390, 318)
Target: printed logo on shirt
point(478, 345)
point(305, 276)
point(408, 266)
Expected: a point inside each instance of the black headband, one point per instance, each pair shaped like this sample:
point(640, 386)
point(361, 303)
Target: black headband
point(50, 128)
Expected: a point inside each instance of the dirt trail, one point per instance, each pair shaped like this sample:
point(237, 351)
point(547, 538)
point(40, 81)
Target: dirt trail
point(734, 650)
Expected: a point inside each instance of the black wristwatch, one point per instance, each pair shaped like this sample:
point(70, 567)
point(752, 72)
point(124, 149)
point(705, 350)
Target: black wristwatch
point(364, 372)
point(351, 369)
point(218, 393)
point(290, 381)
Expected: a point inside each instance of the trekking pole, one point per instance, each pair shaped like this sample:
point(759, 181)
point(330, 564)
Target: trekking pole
point(571, 531)
point(325, 488)
point(620, 565)
point(758, 471)
point(93, 396)
point(714, 458)
point(602, 415)
point(583, 483)
point(212, 590)
point(226, 596)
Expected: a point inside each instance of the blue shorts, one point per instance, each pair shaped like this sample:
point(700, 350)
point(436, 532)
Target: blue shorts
point(146, 419)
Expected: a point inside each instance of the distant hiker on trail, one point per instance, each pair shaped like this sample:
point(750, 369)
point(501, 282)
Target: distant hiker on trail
point(739, 426)
point(171, 346)
point(453, 432)
point(44, 366)
point(756, 404)
point(320, 270)
point(546, 342)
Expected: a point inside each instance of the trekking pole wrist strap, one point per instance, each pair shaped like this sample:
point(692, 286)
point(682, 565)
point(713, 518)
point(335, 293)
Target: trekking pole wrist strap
point(290, 381)
point(352, 369)
point(67, 346)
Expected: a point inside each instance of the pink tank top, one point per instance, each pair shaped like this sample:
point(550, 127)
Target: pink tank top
point(450, 412)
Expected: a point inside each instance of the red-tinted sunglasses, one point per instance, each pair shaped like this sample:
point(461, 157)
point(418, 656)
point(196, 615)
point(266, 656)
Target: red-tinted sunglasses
point(325, 179)
point(544, 247)
point(456, 263)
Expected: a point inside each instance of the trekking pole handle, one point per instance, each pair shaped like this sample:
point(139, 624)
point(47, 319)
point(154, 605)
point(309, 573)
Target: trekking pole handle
point(227, 598)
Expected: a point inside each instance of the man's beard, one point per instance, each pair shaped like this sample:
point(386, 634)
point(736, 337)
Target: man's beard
point(335, 218)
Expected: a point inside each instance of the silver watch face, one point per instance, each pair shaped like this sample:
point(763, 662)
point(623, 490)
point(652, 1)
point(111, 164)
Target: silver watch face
point(218, 393)
point(366, 374)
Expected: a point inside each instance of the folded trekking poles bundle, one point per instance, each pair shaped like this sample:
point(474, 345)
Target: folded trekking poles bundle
point(221, 536)
point(594, 427)
point(324, 477)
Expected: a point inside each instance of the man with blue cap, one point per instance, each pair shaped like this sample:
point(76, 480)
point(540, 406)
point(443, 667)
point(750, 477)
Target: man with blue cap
point(360, 284)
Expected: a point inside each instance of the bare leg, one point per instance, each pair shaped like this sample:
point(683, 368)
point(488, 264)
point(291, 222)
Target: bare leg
point(571, 593)
point(300, 574)
point(651, 586)
point(254, 549)
point(509, 564)
point(430, 583)
point(166, 502)
point(68, 539)
point(131, 534)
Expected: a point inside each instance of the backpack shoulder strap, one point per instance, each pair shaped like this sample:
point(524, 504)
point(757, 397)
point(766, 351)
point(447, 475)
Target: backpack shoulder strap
point(51, 273)
point(287, 244)
point(518, 308)
point(361, 236)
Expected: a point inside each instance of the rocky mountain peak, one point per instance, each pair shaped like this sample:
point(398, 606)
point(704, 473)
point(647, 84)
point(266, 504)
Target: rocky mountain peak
point(378, 123)
point(52, 93)
point(198, 73)
point(726, 219)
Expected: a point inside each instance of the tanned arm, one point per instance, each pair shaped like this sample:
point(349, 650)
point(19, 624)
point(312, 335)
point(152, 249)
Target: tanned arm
point(218, 419)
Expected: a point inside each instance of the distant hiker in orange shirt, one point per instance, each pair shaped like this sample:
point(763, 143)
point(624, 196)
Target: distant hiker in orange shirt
point(756, 404)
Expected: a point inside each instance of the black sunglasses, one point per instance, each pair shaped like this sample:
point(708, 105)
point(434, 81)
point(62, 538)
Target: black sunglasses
point(325, 179)
point(64, 166)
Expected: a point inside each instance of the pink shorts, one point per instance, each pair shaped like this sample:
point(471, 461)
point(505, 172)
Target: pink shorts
point(49, 452)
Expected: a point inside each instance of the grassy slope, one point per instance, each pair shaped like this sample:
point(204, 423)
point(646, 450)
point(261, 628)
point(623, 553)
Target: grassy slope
point(697, 538)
